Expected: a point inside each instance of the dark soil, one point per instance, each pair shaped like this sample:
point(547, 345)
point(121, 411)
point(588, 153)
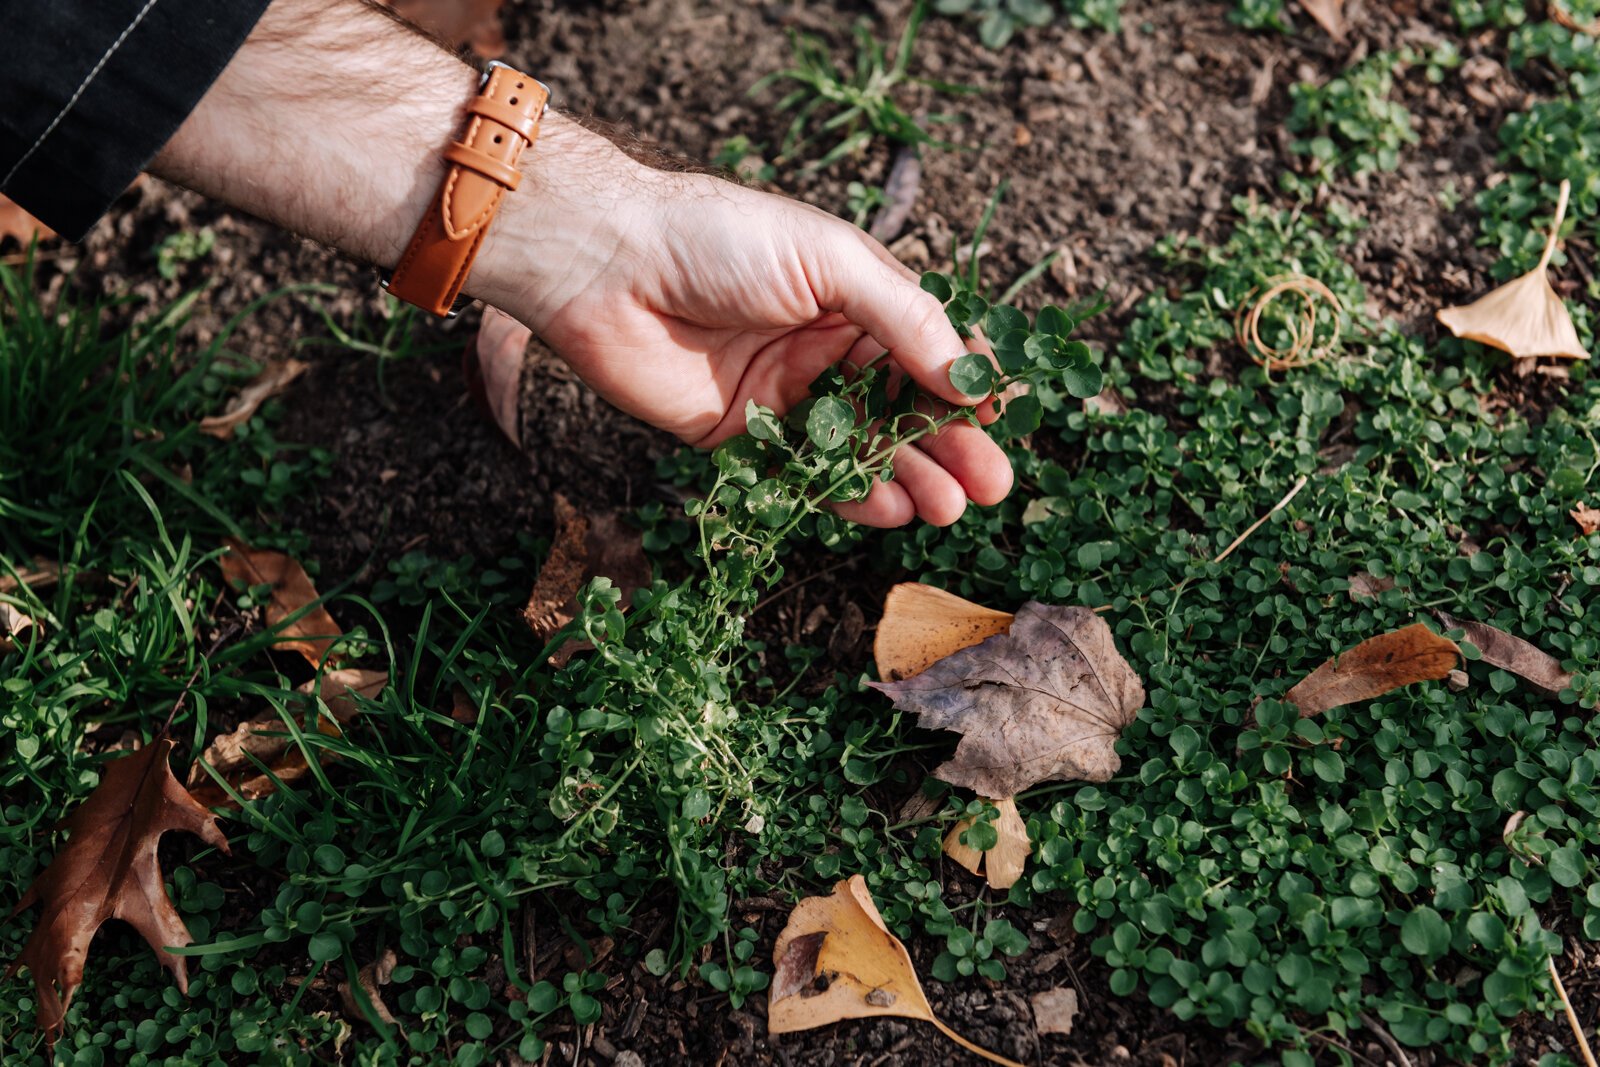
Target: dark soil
point(1108, 141)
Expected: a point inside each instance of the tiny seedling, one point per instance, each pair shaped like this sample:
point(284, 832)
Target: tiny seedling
point(852, 109)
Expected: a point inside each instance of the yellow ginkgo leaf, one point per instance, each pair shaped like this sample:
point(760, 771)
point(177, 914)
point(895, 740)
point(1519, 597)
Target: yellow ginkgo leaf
point(1526, 316)
point(923, 624)
point(1001, 865)
point(837, 960)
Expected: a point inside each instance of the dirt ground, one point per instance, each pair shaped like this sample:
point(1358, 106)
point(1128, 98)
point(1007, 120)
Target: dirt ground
point(1109, 142)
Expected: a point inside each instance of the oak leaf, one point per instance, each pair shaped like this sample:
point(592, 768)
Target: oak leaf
point(1043, 702)
point(1587, 518)
point(263, 387)
point(835, 959)
point(1499, 649)
point(586, 546)
point(108, 870)
point(238, 756)
point(307, 630)
point(1374, 667)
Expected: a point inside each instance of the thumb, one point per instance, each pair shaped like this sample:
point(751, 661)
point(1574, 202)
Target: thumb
point(861, 280)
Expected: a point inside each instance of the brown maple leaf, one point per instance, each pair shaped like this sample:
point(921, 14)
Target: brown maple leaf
point(108, 870)
point(1044, 702)
point(312, 632)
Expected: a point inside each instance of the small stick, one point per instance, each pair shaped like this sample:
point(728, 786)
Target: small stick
point(1388, 1041)
point(1572, 1016)
point(1237, 541)
point(1279, 506)
point(223, 634)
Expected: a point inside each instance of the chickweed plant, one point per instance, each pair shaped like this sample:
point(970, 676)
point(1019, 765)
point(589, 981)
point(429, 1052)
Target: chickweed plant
point(851, 109)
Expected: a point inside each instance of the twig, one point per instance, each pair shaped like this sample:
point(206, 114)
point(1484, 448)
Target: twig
point(222, 635)
point(1572, 1016)
point(1388, 1041)
point(1237, 541)
point(1279, 506)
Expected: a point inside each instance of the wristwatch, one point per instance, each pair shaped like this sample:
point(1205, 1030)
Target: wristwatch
point(503, 121)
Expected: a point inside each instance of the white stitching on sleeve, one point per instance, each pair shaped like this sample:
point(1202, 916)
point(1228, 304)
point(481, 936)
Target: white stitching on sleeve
point(93, 73)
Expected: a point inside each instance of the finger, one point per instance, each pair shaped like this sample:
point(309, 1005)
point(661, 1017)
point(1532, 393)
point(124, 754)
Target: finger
point(938, 497)
point(909, 322)
point(500, 347)
point(973, 459)
point(886, 505)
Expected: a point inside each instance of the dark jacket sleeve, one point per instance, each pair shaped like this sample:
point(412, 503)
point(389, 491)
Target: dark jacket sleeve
point(90, 90)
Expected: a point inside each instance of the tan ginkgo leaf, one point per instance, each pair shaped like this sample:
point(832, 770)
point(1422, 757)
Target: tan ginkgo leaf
point(836, 959)
point(923, 624)
point(1526, 316)
point(1002, 865)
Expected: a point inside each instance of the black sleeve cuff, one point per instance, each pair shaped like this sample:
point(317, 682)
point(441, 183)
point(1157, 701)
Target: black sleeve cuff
point(93, 89)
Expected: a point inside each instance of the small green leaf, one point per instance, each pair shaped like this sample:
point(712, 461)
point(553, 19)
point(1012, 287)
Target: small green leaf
point(1425, 933)
point(973, 375)
point(829, 423)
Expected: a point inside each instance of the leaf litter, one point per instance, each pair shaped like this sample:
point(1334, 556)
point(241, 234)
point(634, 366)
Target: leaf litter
point(836, 959)
point(302, 627)
point(108, 869)
point(1374, 667)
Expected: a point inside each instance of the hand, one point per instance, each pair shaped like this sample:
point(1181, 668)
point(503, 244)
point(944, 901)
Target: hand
point(680, 297)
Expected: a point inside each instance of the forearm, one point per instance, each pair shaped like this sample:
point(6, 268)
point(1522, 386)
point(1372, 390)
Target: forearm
point(329, 122)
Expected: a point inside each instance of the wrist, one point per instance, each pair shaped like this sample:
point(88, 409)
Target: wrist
point(580, 199)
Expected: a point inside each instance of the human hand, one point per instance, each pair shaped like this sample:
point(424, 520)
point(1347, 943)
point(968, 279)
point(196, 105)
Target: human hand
point(679, 298)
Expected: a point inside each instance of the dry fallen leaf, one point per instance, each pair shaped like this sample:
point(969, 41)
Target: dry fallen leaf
point(1514, 844)
point(835, 959)
point(1364, 586)
point(901, 189)
point(1526, 316)
point(15, 222)
point(1500, 649)
point(1329, 14)
point(274, 379)
point(923, 624)
point(1003, 864)
point(313, 633)
point(1055, 1009)
point(1044, 702)
point(370, 978)
point(13, 624)
point(1374, 667)
point(266, 738)
point(1587, 518)
point(108, 870)
point(586, 547)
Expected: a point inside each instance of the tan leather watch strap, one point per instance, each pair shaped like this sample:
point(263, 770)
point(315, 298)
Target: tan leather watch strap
point(503, 121)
